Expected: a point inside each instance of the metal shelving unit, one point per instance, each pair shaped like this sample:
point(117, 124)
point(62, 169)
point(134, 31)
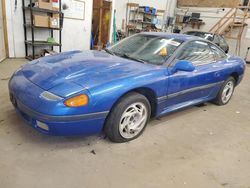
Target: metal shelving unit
point(136, 19)
point(32, 43)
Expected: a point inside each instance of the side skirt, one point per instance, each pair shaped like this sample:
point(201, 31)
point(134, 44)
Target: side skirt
point(183, 105)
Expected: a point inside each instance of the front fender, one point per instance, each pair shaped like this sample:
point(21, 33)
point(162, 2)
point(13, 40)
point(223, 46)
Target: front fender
point(106, 95)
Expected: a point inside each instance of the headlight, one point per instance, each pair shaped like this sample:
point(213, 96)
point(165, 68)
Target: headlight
point(50, 96)
point(77, 101)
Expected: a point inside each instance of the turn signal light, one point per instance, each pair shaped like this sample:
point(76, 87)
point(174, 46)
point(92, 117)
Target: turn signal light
point(80, 100)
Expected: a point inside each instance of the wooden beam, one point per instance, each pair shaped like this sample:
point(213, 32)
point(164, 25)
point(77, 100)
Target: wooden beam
point(132, 5)
point(244, 7)
point(219, 23)
point(208, 3)
point(99, 44)
point(5, 28)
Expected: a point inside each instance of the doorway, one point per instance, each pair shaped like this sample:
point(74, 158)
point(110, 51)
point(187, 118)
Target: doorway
point(101, 23)
point(2, 42)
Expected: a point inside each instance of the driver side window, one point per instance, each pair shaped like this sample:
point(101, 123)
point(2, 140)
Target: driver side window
point(219, 55)
point(198, 52)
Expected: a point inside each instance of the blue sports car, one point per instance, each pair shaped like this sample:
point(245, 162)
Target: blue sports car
point(118, 90)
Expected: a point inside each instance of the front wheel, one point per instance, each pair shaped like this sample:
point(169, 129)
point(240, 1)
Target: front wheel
point(128, 118)
point(226, 92)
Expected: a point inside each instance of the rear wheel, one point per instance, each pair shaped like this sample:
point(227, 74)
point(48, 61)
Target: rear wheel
point(128, 118)
point(226, 92)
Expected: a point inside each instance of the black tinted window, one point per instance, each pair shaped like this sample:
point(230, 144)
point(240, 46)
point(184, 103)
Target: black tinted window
point(219, 55)
point(222, 41)
point(208, 36)
point(216, 40)
point(198, 52)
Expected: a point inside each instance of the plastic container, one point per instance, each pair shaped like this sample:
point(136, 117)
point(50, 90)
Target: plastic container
point(153, 11)
point(145, 9)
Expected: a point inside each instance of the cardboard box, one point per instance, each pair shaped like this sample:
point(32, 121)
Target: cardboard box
point(45, 4)
point(54, 22)
point(55, 9)
point(41, 21)
point(55, 5)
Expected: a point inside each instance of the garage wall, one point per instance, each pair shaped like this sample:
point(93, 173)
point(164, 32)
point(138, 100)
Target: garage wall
point(210, 16)
point(121, 6)
point(75, 34)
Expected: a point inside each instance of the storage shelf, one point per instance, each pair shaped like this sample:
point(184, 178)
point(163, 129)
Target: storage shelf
point(142, 12)
point(139, 18)
point(38, 27)
point(41, 43)
point(31, 41)
point(42, 10)
point(134, 29)
point(140, 22)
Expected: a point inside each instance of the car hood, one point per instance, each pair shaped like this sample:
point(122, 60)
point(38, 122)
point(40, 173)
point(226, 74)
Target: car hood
point(86, 69)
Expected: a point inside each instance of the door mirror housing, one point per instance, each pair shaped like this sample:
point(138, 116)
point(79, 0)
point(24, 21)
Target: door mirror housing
point(183, 65)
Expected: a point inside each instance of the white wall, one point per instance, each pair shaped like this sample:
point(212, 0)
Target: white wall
point(75, 33)
point(121, 6)
point(210, 16)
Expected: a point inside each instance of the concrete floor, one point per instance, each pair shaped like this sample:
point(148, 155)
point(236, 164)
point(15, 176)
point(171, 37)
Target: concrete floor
point(206, 147)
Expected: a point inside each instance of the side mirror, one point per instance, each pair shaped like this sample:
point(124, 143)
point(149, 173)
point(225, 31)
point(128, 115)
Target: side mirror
point(183, 65)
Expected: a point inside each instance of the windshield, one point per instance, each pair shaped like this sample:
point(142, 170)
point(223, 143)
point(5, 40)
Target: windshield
point(146, 48)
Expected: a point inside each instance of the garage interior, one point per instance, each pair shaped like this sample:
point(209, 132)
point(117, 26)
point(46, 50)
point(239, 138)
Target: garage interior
point(200, 146)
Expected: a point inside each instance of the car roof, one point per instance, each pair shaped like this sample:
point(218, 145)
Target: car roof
point(199, 32)
point(182, 37)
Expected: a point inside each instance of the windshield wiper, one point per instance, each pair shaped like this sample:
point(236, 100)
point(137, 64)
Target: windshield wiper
point(109, 51)
point(133, 58)
point(125, 56)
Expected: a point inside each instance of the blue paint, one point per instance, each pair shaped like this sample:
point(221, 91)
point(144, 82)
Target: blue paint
point(105, 78)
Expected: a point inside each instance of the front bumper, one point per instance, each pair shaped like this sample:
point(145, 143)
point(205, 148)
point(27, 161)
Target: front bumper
point(62, 125)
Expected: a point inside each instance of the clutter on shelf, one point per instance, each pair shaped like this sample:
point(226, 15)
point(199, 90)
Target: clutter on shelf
point(43, 15)
point(143, 18)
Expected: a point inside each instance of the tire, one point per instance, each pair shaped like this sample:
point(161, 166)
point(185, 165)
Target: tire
point(228, 89)
point(128, 118)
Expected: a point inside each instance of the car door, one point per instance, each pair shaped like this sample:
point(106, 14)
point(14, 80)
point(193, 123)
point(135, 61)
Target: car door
point(186, 88)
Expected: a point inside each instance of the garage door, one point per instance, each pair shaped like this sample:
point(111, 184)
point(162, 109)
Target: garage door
point(2, 46)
